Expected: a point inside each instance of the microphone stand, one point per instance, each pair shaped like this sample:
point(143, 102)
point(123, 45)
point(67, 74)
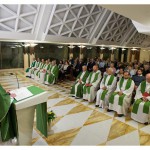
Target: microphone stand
point(16, 78)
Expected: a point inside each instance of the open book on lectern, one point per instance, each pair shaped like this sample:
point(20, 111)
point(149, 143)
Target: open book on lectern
point(21, 93)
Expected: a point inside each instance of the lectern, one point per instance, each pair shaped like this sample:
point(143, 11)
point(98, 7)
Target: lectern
point(25, 110)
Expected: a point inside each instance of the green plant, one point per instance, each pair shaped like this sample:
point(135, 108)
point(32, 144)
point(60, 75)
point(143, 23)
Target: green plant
point(50, 116)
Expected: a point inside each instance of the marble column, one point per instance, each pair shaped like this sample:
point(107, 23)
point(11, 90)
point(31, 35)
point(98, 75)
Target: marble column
point(112, 56)
point(122, 57)
point(26, 61)
point(133, 57)
point(66, 53)
point(71, 53)
point(101, 54)
point(81, 53)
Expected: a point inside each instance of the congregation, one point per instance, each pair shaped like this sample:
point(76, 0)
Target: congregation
point(112, 85)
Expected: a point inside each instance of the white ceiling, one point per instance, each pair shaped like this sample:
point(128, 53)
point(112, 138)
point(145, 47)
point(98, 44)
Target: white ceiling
point(68, 23)
point(140, 14)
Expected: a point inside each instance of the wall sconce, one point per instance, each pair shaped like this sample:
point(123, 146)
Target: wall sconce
point(71, 46)
point(81, 46)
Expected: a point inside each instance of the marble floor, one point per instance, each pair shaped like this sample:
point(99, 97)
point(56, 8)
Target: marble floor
point(78, 122)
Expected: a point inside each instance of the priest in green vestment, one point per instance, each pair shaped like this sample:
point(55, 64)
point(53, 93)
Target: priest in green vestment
point(52, 76)
point(40, 68)
point(120, 99)
point(28, 70)
point(34, 69)
point(43, 71)
point(77, 88)
point(91, 86)
point(8, 122)
point(107, 86)
point(141, 106)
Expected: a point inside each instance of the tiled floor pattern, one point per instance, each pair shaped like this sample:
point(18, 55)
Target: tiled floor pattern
point(78, 122)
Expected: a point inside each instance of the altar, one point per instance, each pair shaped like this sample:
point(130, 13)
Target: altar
point(25, 111)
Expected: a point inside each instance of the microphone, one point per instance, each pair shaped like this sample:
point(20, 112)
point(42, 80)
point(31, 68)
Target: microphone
point(16, 78)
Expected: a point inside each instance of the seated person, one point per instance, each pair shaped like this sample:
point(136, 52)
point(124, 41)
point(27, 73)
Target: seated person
point(52, 76)
point(120, 74)
point(92, 82)
point(37, 72)
point(120, 100)
point(65, 70)
point(77, 88)
point(141, 106)
point(138, 78)
point(28, 70)
point(43, 71)
point(107, 86)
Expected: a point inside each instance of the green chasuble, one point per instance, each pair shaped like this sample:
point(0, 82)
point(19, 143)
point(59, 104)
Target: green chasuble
point(37, 64)
point(8, 121)
point(80, 86)
point(41, 67)
point(120, 102)
point(136, 104)
point(90, 77)
point(32, 65)
point(52, 78)
point(111, 79)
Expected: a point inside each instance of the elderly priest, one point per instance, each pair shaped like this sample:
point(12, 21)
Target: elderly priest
point(107, 86)
point(120, 100)
point(52, 74)
point(92, 82)
point(77, 88)
point(141, 106)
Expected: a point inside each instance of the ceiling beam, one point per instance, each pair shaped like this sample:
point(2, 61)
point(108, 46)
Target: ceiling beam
point(43, 21)
point(107, 16)
point(62, 39)
point(97, 26)
point(127, 35)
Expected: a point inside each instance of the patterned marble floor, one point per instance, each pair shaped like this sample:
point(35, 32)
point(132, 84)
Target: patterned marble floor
point(78, 122)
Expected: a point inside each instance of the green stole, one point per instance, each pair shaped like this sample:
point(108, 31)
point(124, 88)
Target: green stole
point(37, 64)
point(32, 65)
point(128, 84)
point(90, 77)
point(111, 79)
point(84, 77)
point(138, 101)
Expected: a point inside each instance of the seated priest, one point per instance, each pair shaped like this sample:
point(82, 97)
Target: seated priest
point(40, 68)
point(120, 99)
point(43, 71)
point(34, 69)
point(138, 78)
point(77, 88)
point(107, 86)
point(28, 70)
point(52, 76)
point(92, 82)
point(141, 106)
point(8, 128)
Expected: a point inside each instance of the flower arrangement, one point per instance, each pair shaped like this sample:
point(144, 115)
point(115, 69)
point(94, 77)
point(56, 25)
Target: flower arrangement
point(50, 116)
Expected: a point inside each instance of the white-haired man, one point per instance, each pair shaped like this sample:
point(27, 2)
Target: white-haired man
point(141, 106)
point(107, 86)
point(77, 88)
point(92, 82)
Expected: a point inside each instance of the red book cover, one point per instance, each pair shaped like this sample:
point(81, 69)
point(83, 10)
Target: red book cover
point(145, 94)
